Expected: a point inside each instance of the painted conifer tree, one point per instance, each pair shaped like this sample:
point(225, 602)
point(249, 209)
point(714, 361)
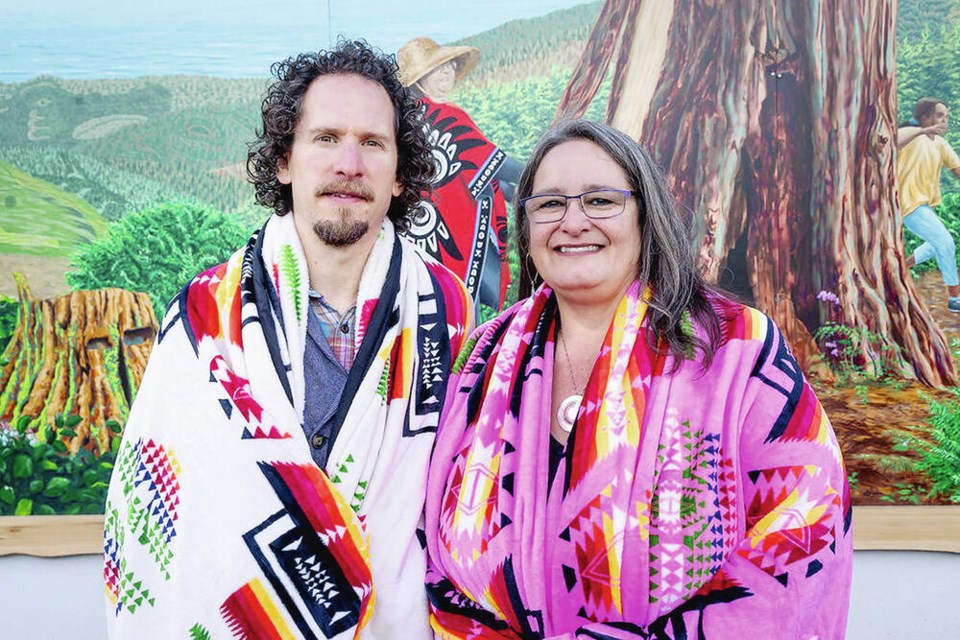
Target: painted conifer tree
point(775, 122)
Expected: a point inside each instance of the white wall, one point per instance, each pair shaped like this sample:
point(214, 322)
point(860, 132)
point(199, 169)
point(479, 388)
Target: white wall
point(897, 595)
point(904, 595)
point(51, 598)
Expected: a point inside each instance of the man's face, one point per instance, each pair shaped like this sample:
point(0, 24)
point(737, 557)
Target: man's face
point(440, 82)
point(939, 116)
point(342, 166)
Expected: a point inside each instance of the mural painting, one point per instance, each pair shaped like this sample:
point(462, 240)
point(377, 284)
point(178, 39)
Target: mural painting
point(777, 125)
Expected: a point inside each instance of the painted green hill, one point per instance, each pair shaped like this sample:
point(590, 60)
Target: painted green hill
point(126, 144)
point(533, 46)
point(38, 219)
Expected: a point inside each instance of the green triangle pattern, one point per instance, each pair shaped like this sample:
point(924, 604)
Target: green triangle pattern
point(384, 378)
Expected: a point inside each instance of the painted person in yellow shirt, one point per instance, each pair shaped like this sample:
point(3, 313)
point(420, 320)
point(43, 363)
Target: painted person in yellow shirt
point(923, 153)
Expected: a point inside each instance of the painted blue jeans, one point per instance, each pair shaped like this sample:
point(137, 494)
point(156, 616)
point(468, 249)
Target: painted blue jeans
point(938, 243)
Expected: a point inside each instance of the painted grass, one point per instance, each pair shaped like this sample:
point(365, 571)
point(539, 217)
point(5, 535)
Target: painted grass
point(38, 219)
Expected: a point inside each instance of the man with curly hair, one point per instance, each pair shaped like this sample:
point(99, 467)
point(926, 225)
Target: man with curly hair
point(271, 478)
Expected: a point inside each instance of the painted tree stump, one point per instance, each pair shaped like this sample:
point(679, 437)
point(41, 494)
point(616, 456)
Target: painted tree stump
point(79, 354)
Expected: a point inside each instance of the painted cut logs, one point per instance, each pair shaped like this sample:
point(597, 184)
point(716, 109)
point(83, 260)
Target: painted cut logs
point(79, 354)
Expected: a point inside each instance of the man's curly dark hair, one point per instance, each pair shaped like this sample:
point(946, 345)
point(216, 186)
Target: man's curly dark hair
point(281, 114)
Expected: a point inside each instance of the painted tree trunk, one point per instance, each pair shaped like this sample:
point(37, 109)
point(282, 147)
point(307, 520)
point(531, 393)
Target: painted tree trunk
point(80, 354)
point(775, 123)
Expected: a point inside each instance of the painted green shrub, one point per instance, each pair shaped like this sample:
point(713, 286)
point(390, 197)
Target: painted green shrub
point(9, 307)
point(157, 250)
point(39, 476)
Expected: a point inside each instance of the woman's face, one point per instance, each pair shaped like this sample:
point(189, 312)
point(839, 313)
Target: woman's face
point(439, 83)
point(582, 259)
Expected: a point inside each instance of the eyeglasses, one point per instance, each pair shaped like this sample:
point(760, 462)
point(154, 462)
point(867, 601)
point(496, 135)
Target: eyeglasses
point(596, 204)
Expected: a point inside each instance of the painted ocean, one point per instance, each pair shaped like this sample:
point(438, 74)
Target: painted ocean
point(110, 39)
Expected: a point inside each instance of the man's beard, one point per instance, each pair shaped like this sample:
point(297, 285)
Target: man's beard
point(342, 232)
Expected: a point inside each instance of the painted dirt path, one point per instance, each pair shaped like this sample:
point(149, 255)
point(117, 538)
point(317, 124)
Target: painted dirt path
point(872, 418)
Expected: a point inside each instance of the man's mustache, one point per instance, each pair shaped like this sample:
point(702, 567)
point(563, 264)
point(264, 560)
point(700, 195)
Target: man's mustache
point(346, 187)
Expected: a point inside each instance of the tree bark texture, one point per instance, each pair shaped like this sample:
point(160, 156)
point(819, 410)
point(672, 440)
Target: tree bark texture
point(79, 354)
point(775, 122)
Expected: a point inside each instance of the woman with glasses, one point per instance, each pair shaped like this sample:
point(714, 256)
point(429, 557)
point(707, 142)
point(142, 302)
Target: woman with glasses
point(463, 223)
point(626, 453)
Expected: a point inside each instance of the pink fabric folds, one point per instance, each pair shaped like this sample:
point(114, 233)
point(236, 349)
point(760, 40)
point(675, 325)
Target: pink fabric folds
point(699, 503)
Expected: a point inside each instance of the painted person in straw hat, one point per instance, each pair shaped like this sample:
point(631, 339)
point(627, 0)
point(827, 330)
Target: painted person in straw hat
point(463, 223)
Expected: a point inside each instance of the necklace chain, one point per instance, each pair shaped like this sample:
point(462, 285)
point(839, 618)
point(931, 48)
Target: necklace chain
point(569, 406)
point(576, 387)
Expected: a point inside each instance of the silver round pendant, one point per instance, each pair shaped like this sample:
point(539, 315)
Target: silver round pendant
point(567, 411)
